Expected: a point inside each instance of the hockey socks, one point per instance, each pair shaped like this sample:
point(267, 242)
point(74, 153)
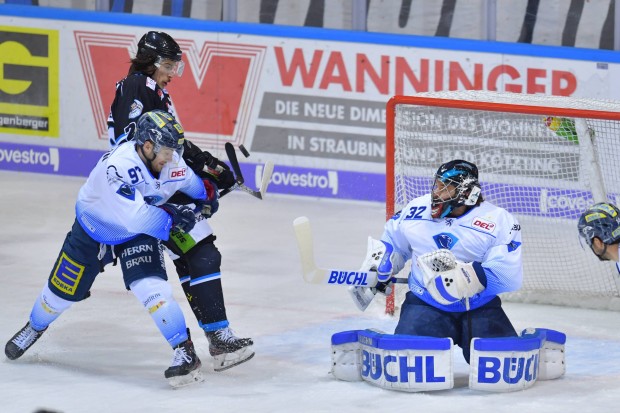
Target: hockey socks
point(47, 308)
point(156, 296)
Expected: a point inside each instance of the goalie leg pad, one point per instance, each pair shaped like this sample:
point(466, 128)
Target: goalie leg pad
point(552, 363)
point(503, 364)
point(513, 364)
point(346, 360)
point(393, 362)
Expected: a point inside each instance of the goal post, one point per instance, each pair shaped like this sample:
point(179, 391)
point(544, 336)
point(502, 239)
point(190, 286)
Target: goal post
point(542, 158)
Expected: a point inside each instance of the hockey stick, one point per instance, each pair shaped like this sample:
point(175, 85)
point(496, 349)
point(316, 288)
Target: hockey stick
point(239, 180)
point(335, 276)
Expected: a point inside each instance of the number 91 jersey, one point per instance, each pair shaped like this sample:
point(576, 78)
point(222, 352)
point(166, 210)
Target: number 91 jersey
point(486, 233)
point(119, 199)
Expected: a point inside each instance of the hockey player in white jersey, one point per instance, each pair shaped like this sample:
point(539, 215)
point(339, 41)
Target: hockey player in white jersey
point(122, 214)
point(599, 226)
point(197, 260)
point(467, 251)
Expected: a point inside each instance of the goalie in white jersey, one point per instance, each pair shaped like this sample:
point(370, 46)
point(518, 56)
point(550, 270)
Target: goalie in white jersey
point(122, 214)
point(467, 252)
point(599, 226)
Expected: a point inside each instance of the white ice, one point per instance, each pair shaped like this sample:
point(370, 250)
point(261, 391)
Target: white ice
point(106, 355)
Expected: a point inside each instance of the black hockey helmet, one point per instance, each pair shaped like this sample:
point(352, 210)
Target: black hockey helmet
point(162, 129)
point(159, 44)
point(602, 221)
point(462, 175)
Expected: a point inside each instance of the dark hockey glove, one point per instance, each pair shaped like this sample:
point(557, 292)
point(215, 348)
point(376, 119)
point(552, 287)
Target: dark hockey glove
point(198, 160)
point(384, 287)
point(223, 176)
point(183, 217)
point(209, 206)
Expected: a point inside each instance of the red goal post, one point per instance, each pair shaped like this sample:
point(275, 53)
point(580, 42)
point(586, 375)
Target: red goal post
point(543, 158)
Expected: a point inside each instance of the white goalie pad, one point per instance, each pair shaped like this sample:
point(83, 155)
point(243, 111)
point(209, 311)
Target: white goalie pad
point(552, 363)
point(393, 362)
point(515, 363)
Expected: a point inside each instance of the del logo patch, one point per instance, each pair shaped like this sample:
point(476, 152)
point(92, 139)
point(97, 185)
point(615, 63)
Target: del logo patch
point(177, 173)
point(484, 224)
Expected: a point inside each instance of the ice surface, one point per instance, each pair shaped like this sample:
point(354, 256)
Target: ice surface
point(105, 354)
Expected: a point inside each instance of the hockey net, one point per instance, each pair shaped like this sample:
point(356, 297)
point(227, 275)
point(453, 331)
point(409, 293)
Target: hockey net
point(543, 158)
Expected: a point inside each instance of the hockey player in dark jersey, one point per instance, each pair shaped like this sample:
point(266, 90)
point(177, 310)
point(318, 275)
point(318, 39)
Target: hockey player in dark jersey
point(196, 258)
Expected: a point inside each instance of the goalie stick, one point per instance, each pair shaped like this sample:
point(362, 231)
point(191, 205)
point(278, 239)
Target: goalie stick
point(239, 180)
point(334, 276)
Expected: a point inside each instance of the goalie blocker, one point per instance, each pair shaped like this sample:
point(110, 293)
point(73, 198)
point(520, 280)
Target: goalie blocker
point(413, 363)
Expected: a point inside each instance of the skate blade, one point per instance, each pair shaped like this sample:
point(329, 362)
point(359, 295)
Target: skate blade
point(177, 382)
point(228, 360)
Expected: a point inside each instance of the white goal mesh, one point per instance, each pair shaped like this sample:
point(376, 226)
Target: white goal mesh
point(543, 158)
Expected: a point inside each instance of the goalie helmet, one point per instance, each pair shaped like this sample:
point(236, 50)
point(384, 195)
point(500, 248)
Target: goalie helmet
point(162, 129)
point(602, 221)
point(460, 175)
point(159, 44)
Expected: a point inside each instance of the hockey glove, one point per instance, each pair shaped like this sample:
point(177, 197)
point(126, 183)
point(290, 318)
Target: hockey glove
point(391, 263)
point(209, 206)
point(449, 280)
point(222, 175)
point(376, 254)
point(183, 217)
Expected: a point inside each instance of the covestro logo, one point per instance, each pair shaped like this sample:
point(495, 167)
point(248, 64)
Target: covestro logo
point(17, 157)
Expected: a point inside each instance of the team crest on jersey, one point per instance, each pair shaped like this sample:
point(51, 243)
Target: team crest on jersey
point(150, 83)
point(484, 224)
point(177, 173)
point(445, 240)
point(136, 109)
point(127, 191)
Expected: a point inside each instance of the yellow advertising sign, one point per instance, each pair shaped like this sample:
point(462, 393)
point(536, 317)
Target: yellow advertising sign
point(29, 84)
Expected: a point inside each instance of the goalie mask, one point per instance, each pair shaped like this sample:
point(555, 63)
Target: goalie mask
point(162, 129)
point(602, 221)
point(456, 184)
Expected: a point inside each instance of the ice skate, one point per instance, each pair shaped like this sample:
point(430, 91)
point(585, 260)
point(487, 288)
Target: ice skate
point(22, 341)
point(227, 349)
point(185, 368)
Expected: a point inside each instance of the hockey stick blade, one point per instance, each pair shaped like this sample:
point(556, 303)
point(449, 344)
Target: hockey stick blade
point(266, 178)
point(264, 182)
point(232, 158)
point(334, 276)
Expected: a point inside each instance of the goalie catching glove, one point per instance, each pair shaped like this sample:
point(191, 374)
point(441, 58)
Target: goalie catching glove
point(449, 280)
point(380, 257)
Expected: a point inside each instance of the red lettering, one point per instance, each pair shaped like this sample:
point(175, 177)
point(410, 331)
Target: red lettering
point(298, 65)
point(484, 225)
point(532, 76)
point(178, 174)
point(364, 67)
point(457, 74)
point(438, 75)
point(500, 70)
point(559, 78)
point(404, 70)
point(336, 73)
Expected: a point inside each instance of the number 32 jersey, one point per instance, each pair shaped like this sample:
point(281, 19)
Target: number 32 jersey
point(487, 234)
